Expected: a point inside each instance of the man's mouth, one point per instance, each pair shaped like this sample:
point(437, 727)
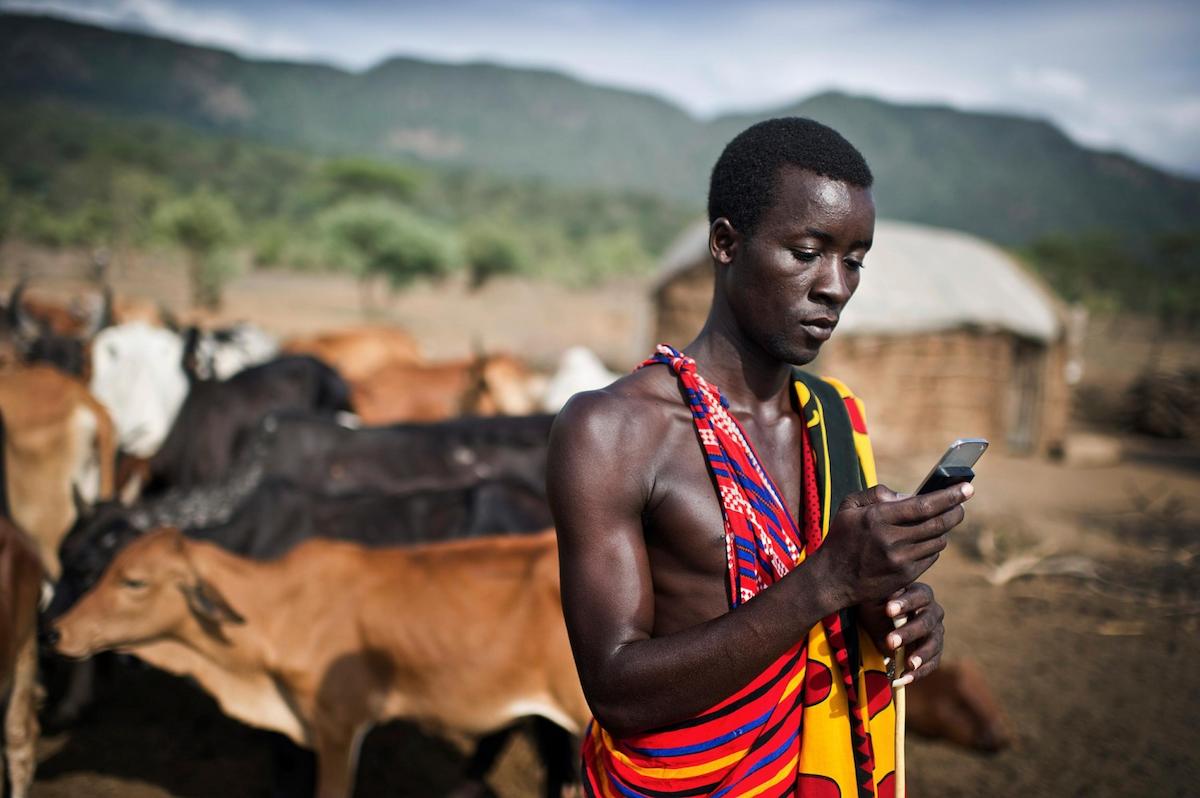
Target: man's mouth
point(820, 327)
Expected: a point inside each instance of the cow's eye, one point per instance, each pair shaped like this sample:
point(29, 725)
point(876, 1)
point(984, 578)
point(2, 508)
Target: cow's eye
point(133, 584)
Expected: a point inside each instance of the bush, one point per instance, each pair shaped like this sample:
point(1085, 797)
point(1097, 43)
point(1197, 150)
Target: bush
point(492, 250)
point(381, 238)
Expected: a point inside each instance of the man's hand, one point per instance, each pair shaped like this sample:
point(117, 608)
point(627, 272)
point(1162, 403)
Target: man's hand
point(880, 542)
point(922, 637)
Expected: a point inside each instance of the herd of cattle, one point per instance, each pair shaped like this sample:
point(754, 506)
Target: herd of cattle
point(324, 533)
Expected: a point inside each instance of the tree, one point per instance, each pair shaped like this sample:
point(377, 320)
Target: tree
point(491, 251)
point(203, 225)
point(378, 238)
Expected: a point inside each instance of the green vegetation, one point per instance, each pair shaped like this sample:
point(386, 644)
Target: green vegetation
point(204, 226)
point(75, 177)
point(1109, 273)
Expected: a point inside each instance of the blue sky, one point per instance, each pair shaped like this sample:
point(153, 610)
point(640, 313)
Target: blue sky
point(1118, 75)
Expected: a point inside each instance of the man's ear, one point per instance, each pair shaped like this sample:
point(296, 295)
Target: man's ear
point(723, 241)
point(208, 603)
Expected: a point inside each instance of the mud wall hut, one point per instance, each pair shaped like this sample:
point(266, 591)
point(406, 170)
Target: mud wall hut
point(948, 336)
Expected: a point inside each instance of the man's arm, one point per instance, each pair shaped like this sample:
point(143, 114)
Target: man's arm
point(599, 484)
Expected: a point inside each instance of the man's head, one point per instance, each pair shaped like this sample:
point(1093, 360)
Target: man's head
point(791, 219)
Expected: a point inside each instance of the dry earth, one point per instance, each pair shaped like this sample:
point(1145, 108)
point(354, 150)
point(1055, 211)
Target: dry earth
point(1098, 674)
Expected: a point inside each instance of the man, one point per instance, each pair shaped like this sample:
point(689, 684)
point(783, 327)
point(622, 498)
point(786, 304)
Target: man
point(725, 648)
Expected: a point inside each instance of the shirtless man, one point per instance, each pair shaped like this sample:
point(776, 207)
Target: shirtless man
point(642, 541)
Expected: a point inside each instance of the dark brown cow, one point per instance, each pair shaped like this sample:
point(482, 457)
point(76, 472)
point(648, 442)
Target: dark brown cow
point(334, 638)
point(20, 587)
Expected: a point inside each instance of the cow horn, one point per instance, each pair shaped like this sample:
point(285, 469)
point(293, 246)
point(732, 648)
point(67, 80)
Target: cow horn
point(23, 325)
point(81, 506)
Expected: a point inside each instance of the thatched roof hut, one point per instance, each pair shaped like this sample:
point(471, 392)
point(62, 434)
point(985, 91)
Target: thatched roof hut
point(947, 336)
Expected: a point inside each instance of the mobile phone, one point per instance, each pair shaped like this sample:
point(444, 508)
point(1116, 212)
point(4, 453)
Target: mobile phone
point(955, 465)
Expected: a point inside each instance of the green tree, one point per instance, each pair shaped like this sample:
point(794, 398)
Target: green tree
point(378, 238)
point(203, 225)
point(492, 250)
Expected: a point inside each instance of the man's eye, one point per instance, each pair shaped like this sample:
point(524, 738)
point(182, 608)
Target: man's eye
point(805, 255)
point(134, 584)
point(856, 265)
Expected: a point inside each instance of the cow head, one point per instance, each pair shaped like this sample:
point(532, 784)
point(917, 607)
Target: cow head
point(99, 532)
point(48, 333)
point(136, 375)
point(502, 385)
point(152, 591)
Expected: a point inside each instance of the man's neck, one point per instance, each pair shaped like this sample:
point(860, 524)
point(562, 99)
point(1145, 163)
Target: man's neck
point(750, 379)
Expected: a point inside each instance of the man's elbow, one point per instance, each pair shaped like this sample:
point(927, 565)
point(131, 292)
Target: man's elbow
point(617, 717)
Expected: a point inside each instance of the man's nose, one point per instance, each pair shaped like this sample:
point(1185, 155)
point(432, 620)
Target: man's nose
point(832, 284)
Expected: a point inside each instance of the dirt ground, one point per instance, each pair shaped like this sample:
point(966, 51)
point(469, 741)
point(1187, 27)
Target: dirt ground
point(1096, 667)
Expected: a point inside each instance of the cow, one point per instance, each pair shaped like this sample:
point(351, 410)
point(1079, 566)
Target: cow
point(954, 703)
point(219, 353)
point(48, 332)
point(218, 416)
point(578, 370)
point(483, 385)
point(357, 352)
point(20, 589)
point(60, 443)
point(137, 373)
point(280, 514)
point(335, 638)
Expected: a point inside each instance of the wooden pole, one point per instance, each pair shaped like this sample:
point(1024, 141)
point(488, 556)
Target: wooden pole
point(899, 700)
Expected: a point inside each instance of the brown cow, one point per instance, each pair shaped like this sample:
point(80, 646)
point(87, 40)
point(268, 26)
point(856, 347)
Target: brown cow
point(486, 385)
point(356, 352)
point(20, 589)
point(60, 440)
point(333, 638)
point(954, 703)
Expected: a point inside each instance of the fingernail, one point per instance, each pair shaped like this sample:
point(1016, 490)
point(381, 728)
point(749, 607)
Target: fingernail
point(968, 490)
point(903, 680)
point(914, 662)
point(893, 608)
point(893, 641)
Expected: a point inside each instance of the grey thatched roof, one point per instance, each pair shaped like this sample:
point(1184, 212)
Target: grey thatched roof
point(921, 279)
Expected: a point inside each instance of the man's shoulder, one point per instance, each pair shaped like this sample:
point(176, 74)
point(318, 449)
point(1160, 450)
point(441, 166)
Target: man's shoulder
point(624, 413)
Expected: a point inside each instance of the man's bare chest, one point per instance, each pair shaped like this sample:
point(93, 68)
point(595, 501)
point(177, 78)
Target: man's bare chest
point(684, 525)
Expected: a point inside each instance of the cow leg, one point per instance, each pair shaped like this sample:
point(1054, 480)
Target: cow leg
point(20, 721)
point(337, 761)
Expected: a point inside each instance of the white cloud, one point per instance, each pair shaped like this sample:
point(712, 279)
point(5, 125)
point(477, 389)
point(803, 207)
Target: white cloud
point(1051, 82)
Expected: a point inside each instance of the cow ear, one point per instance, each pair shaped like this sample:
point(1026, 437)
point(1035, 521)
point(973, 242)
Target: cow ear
point(208, 603)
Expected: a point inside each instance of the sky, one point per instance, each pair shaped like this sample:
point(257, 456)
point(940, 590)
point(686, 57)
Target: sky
point(1114, 75)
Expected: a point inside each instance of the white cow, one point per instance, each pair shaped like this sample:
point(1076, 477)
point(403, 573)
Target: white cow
point(137, 374)
point(578, 370)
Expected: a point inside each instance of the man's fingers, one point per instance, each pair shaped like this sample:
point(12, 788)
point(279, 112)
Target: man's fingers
point(933, 527)
point(915, 597)
point(919, 627)
point(878, 494)
point(916, 509)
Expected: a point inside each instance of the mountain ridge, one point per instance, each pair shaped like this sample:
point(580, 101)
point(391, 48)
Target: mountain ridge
point(1008, 177)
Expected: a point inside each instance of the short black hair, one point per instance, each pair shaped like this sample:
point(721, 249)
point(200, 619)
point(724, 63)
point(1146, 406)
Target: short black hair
point(743, 180)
